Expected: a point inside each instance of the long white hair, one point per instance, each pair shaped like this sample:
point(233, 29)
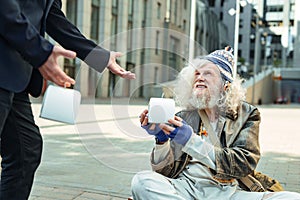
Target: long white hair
point(229, 101)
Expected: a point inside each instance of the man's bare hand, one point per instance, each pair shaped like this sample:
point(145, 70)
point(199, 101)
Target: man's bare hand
point(51, 71)
point(115, 68)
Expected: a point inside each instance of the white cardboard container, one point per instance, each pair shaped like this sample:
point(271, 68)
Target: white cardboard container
point(60, 104)
point(160, 110)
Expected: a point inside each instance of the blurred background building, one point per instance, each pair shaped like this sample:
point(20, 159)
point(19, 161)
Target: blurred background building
point(155, 37)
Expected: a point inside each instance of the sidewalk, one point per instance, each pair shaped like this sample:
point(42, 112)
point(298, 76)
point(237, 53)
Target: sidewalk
point(97, 158)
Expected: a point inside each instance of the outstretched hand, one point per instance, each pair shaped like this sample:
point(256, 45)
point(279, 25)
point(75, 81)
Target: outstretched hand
point(115, 68)
point(51, 71)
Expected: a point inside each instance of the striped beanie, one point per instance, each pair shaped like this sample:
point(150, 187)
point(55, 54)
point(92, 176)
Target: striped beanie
point(224, 59)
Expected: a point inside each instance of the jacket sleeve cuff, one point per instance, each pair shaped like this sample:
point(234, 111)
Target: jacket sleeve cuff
point(98, 58)
point(160, 152)
point(166, 161)
point(45, 51)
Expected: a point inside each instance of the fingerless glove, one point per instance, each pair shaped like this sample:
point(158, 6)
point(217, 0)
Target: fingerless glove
point(181, 134)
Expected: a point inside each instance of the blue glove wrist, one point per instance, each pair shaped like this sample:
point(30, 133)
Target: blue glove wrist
point(161, 137)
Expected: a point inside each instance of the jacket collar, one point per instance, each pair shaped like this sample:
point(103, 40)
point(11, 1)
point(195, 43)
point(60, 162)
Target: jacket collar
point(221, 124)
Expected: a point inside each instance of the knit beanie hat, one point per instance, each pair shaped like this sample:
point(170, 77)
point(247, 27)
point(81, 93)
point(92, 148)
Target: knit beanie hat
point(224, 59)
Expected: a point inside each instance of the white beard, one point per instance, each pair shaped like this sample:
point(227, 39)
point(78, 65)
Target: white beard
point(206, 100)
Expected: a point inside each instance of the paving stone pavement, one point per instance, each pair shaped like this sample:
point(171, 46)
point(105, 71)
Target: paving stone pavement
point(97, 158)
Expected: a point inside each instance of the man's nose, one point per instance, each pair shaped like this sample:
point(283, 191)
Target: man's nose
point(200, 77)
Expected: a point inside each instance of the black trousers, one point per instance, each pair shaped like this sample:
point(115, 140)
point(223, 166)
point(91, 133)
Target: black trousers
point(21, 145)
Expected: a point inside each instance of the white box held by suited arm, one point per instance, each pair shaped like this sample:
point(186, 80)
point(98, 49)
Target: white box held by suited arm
point(160, 110)
point(61, 104)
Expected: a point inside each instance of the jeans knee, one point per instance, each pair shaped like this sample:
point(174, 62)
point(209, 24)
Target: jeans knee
point(136, 182)
point(141, 181)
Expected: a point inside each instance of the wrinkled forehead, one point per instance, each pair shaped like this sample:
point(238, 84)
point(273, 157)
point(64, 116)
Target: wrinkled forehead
point(208, 66)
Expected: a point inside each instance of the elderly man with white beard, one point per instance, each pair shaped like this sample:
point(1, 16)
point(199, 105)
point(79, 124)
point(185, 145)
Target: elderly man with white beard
point(209, 146)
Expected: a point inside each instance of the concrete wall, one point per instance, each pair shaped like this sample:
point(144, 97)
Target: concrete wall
point(263, 89)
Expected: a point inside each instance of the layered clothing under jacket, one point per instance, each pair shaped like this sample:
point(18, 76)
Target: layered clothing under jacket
point(238, 155)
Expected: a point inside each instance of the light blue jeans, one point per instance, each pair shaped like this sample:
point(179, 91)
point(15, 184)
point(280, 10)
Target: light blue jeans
point(151, 185)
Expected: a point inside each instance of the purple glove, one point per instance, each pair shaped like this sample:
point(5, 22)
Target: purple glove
point(181, 134)
point(160, 136)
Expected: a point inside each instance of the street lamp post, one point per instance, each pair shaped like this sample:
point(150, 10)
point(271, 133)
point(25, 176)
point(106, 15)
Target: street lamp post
point(257, 34)
point(238, 3)
point(257, 52)
point(236, 36)
point(192, 30)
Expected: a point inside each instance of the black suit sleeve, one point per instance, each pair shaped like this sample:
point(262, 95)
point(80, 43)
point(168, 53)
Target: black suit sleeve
point(68, 35)
point(19, 33)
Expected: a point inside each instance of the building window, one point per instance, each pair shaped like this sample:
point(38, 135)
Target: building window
point(130, 10)
point(158, 11)
point(211, 3)
point(275, 8)
point(72, 11)
point(156, 80)
point(157, 43)
point(292, 9)
point(129, 36)
point(114, 7)
point(145, 13)
point(184, 25)
point(174, 47)
point(170, 12)
point(114, 23)
point(222, 3)
point(185, 4)
point(69, 67)
point(241, 9)
point(175, 12)
point(241, 23)
point(113, 43)
point(276, 39)
point(240, 38)
point(95, 20)
point(251, 53)
point(114, 3)
point(130, 26)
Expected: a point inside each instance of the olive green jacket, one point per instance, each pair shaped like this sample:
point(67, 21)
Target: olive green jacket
point(238, 136)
